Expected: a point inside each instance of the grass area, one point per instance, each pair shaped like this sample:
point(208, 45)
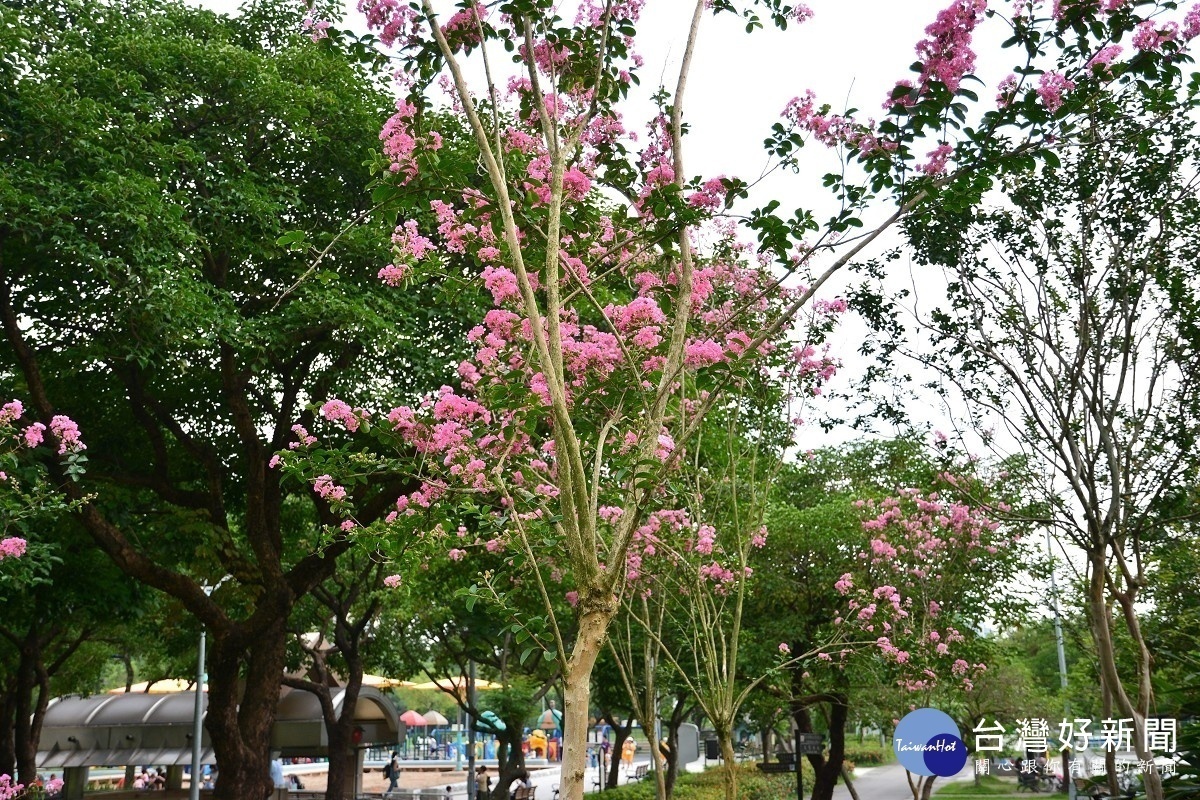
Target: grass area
point(989, 786)
point(752, 785)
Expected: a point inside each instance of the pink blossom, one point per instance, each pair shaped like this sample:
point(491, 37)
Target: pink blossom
point(1006, 90)
point(317, 29)
point(502, 283)
point(1191, 23)
point(67, 433)
point(1051, 87)
point(936, 163)
point(33, 434)
point(1150, 36)
point(572, 599)
point(392, 18)
point(710, 196)
point(391, 581)
point(665, 446)
point(462, 29)
point(946, 55)
point(1104, 57)
point(337, 411)
point(11, 412)
point(12, 547)
point(456, 554)
point(409, 243)
point(395, 274)
point(702, 354)
point(785, 648)
point(329, 490)
point(759, 540)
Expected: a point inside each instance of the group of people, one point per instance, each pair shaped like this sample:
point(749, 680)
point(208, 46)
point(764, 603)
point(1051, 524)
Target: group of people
point(52, 787)
point(150, 778)
point(483, 783)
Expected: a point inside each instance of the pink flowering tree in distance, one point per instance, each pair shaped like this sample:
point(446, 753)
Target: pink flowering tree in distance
point(687, 570)
point(626, 304)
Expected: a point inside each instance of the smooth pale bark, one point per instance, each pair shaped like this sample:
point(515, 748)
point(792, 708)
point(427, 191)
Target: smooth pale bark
point(577, 692)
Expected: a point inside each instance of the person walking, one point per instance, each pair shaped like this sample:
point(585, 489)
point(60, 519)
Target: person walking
point(392, 772)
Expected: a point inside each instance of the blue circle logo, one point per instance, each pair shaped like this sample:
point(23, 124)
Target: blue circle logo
point(927, 742)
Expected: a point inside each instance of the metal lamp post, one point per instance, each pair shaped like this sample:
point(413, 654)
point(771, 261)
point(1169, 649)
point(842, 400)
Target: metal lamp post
point(198, 713)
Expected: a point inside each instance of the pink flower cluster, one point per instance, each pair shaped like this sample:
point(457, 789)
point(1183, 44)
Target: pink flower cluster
point(329, 490)
point(338, 411)
point(462, 30)
point(945, 54)
point(394, 19)
point(11, 412)
point(1150, 36)
point(12, 547)
point(317, 29)
point(401, 145)
point(1051, 87)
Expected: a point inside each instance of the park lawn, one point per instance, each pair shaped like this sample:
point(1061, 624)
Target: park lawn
point(989, 786)
point(752, 785)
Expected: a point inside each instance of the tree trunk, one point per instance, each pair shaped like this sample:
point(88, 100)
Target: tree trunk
point(239, 722)
point(8, 752)
point(672, 755)
point(1115, 696)
point(510, 758)
point(25, 746)
point(577, 688)
point(826, 768)
point(729, 761)
point(849, 783)
point(620, 734)
point(927, 787)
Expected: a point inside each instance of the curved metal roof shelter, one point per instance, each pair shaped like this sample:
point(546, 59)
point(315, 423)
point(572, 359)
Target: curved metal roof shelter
point(156, 729)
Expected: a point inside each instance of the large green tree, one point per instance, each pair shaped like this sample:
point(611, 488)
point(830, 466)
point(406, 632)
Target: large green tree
point(154, 154)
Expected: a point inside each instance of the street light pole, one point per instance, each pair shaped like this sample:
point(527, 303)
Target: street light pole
point(1062, 661)
point(198, 722)
point(472, 789)
point(198, 713)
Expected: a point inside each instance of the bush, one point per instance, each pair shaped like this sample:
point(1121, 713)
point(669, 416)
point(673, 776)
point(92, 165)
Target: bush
point(752, 785)
point(868, 755)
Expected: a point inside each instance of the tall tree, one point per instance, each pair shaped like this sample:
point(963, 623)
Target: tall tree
point(154, 155)
point(1072, 324)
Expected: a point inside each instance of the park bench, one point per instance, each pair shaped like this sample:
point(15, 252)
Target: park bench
point(639, 772)
point(525, 793)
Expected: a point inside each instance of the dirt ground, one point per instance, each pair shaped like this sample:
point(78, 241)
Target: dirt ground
point(373, 780)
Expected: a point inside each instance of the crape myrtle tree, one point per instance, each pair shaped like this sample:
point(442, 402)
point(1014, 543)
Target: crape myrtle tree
point(577, 398)
point(694, 563)
point(56, 595)
point(872, 541)
point(153, 155)
point(1071, 325)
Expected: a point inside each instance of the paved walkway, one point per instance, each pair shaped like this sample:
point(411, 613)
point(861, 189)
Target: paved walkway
point(890, 783)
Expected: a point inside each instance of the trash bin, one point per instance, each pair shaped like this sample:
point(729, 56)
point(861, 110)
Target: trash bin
point(712, 749)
